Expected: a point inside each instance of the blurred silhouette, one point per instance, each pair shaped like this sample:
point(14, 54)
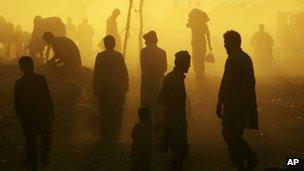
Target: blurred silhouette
point(237, 102)
point(41, 25)
point(110, 85)
point(6, 37)
point(262, 42)
point(197, 22)
point(142, 140)
point(153, 67)
point(21, 40)
point(34, 106)
point(65, 51)
point(70, 29)
point(112, 28)
point(85, 33)
point(173, 97)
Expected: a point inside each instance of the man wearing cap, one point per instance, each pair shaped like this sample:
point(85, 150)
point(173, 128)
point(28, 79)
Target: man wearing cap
point(112, 28)
point(153, 67)
point(173, 97)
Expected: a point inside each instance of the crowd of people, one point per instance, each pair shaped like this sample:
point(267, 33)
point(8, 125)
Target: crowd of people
point(163, 96)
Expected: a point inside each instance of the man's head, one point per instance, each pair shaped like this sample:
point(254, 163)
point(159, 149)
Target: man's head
point(261, 27)
point(144, 114)
point(232, 41)
point(116, 12)
point(26, 64)
point(182, 61)
point(37, 19)
point(109, 42)
point(49, 37)
point(150, 38)
point(85, 21)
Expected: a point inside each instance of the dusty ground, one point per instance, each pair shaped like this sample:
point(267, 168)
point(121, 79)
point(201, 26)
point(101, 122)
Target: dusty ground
point(281, 112)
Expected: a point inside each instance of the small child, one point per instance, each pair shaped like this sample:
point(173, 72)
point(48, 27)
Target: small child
point(142, 140)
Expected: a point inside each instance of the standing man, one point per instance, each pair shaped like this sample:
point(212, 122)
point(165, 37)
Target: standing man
point(85, 33)
point(34, 106)
point(173, 97)
point(197, 22)
point(153, 67)
point(110, 85)
point(112, 28)
point(237, 102)
point(70, 28)
point(262, 43)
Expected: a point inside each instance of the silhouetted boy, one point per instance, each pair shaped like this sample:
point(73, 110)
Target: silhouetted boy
point(173, 97)
point(34, 106)
point(237, 102)
point(142, 140)
point(110, 85)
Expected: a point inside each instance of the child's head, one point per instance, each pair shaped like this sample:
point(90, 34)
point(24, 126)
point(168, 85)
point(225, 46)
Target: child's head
point(144, 114)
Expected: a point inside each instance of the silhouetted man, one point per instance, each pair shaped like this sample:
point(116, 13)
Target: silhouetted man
point(262, 42)
point(70, 28)
point(112, 28)
point(34, 106)
point(41, 25)
point(85, 33)
point(237, 102)
point(173, 97)
point(153, 67)
point(110, 85)
point(197, 22)
point(65, 51)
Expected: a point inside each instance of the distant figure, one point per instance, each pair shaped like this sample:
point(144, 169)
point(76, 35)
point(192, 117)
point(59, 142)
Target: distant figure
point(237, 102)
point(34, 106)
point(142, 140)
point(70, 28)
point(65, 51)
point(153, 67)
point(85, 33)
point(21, 40)
point(6, 37)
point(262, 42)
point(173, 97)
point(41, 25)
point(112, 28)
point(197, 22)
point(110, 85)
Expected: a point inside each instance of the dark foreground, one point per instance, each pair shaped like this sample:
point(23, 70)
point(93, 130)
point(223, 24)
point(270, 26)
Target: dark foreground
point(281, 112)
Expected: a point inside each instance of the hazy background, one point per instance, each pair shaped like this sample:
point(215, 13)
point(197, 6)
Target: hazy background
point(168, 18)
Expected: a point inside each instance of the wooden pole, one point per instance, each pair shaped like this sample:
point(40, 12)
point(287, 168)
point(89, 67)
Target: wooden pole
point(141, 26)
point(127, 29)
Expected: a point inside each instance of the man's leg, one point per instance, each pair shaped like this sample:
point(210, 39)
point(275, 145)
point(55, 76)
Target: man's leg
point(46, 143)
point(31, 145)
point(234, 142)
point(179, 148)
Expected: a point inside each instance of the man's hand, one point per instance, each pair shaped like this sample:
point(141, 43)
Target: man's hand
point(219, 110)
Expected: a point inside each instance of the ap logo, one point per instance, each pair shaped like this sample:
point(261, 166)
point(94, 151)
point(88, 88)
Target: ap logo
point(295, 164)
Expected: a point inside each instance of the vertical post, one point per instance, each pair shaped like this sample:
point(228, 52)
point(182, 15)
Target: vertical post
point(141, 26)
point(127, 29)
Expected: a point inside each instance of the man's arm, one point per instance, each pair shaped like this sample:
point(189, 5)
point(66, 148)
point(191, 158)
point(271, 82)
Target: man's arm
point(48, 98)
point(164, 62)
point(208, 37)
point(223, 88)
point(163, 94)
point(96, 76)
